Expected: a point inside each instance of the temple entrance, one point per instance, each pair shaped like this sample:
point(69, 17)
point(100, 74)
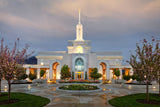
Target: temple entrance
point(79, 69)
point(103, 70)
point(79, 75)
point(54, 70)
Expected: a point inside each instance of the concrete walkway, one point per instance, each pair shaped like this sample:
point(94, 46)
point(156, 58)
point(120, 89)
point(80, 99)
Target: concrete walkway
point(67, 99)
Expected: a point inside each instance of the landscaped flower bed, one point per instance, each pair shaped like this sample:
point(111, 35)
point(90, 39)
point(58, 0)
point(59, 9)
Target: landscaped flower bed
point(79, 81)
point(78, 87)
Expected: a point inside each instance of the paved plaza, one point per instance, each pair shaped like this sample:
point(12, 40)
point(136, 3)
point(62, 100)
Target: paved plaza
point(71, 99)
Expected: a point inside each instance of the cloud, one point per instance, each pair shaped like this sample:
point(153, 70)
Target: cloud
point(101, 8)
point(3, 3)
point(110, 24)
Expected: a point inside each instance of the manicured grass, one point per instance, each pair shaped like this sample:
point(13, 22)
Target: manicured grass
point(25, 100)
point(130, 100)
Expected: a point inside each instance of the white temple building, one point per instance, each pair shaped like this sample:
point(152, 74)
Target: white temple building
point(80, 59)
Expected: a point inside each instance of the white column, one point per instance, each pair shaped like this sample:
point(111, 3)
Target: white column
point(88, 74)
point(108, 73)
point(120, 77)
point(131, 71)
point(27, 72)
point(50, 73)
point(111, 74)
point(38, 73)
point(47, 74)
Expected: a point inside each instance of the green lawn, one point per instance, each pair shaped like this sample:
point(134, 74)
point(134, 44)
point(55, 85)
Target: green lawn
point(25, 100)
point(130, 101)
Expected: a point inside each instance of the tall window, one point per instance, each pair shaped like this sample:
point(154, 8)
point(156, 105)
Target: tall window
point(79, 65)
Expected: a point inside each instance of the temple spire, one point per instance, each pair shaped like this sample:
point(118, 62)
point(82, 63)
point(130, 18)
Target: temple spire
point(79, 16)
point(79, 30)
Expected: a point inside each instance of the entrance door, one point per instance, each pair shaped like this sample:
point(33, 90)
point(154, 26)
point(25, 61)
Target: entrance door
point(79, 69)
point(79, 75)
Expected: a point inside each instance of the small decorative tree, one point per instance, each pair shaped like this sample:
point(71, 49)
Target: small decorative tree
point(65, 72)
point(72, 75)
point(146, 62)
point(42, 72)
point(32, 76)
point(117, 73)
point(95, 75)
point(86, 75)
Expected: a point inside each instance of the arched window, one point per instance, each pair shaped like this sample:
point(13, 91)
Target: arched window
point(79, 65)
point(79, 49)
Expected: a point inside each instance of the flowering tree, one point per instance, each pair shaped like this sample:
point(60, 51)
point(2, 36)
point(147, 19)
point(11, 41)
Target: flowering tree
point(146, 62)
point(11, 62)
point(2, 52)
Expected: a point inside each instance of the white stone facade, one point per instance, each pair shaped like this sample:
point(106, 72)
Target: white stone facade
point(78, 50)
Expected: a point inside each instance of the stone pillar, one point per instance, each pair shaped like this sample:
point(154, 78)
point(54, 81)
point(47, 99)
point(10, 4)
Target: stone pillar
point(111, 74)
point(27, 72)
point(50, 73)
point(108, 73)
point(47, 74)
point(38, 73)
point(120, 77)
point(131, 71)
point(84, 75)
point(88, 74)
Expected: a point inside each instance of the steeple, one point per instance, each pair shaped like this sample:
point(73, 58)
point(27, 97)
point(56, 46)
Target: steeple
point(79, 16)
point(79, 30)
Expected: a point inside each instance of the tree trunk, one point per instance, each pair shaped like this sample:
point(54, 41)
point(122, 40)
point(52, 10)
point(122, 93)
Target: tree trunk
point(147, 94)
point(0, 86)
point(9, 91)
point(159, 86)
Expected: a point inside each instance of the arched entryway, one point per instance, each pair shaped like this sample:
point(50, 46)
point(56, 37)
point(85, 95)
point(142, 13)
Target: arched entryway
point(55, 71)
point(102, 70)
point(79, 68)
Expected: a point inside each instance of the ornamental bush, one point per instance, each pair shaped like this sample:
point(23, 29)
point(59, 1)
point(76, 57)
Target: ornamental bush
point(95, 75)
point(22, 77)
point(126, 77)
point(134, 77)
point(65, 74)
point(42, 72)
point(86, 75)
point(32, 76)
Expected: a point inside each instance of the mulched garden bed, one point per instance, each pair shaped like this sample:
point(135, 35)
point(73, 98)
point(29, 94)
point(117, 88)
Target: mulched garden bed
point(144, 101)
point(137, 83)
point(7, 102)
point(23, 83)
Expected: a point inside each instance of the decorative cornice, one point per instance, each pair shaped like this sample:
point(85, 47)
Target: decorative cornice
point(35, 66)
point(49, 57)
point(109, 57)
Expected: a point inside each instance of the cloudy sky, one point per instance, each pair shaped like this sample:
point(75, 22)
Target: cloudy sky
point(111, 25)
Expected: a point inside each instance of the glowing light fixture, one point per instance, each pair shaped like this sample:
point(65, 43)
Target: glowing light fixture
point(42, 63)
